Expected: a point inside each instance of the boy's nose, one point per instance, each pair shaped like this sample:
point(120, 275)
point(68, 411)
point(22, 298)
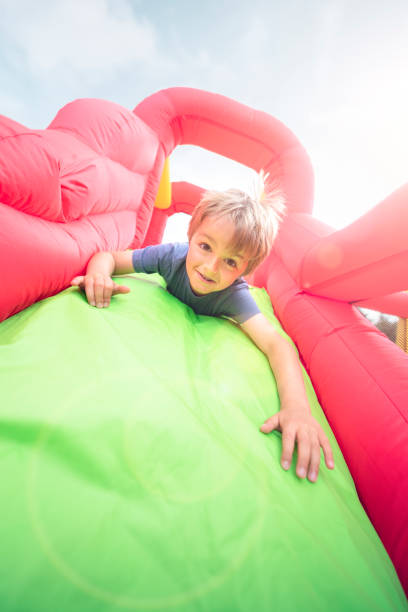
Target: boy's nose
point(212, 264)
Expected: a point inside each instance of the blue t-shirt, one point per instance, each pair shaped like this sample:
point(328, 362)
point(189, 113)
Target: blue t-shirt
point(169, 260)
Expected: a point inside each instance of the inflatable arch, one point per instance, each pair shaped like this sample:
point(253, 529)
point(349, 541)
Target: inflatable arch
point(89, 182)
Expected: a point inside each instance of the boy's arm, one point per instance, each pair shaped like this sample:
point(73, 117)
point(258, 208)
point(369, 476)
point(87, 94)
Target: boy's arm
point(97, 282)
point(294, 419)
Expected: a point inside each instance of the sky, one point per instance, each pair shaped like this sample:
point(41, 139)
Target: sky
point(334, 71)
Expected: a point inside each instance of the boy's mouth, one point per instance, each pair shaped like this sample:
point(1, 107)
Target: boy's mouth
point(205, 278)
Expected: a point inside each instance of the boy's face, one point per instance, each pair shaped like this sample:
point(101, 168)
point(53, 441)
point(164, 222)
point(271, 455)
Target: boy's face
point(211, 265)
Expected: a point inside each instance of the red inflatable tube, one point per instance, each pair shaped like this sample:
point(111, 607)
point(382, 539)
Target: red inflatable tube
point(367, 259)
point(189, 116)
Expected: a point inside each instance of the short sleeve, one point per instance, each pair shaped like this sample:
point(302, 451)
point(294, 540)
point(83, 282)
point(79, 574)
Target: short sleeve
point(240, 305)
point(151, 259)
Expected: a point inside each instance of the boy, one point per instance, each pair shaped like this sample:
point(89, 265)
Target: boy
point(229, 235)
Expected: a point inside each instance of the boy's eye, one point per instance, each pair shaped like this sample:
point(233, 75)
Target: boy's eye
point(204, 246)
point(231, 263)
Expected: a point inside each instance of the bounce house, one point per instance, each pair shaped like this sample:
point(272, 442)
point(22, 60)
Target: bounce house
point(133, 472)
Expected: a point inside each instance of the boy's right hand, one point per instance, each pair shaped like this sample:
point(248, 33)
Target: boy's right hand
point(98, 288)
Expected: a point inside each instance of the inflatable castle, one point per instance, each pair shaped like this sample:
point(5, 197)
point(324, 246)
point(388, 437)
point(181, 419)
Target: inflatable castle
point(134, 475)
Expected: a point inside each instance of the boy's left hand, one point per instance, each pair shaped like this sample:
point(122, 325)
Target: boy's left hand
point(299, 426)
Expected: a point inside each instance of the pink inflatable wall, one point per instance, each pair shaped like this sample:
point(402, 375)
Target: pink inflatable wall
point(88, 182)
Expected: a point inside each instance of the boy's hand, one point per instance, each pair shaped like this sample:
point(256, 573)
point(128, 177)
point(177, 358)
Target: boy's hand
point(98, 288)
point(298, 425)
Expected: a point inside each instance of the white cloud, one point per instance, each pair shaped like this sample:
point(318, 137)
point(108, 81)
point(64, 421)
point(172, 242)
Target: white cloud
point(359, 149)
point(256, 38)
point(11, 105)
point(79, 36)
point(209, 170)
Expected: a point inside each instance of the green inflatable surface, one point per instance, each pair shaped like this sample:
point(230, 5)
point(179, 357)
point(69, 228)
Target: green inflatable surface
point(134, 475)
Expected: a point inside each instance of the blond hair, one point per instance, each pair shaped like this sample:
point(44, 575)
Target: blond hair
point(256, 218)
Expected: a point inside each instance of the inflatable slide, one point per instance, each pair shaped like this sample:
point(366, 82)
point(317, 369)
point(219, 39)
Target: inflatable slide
point(133, 472)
